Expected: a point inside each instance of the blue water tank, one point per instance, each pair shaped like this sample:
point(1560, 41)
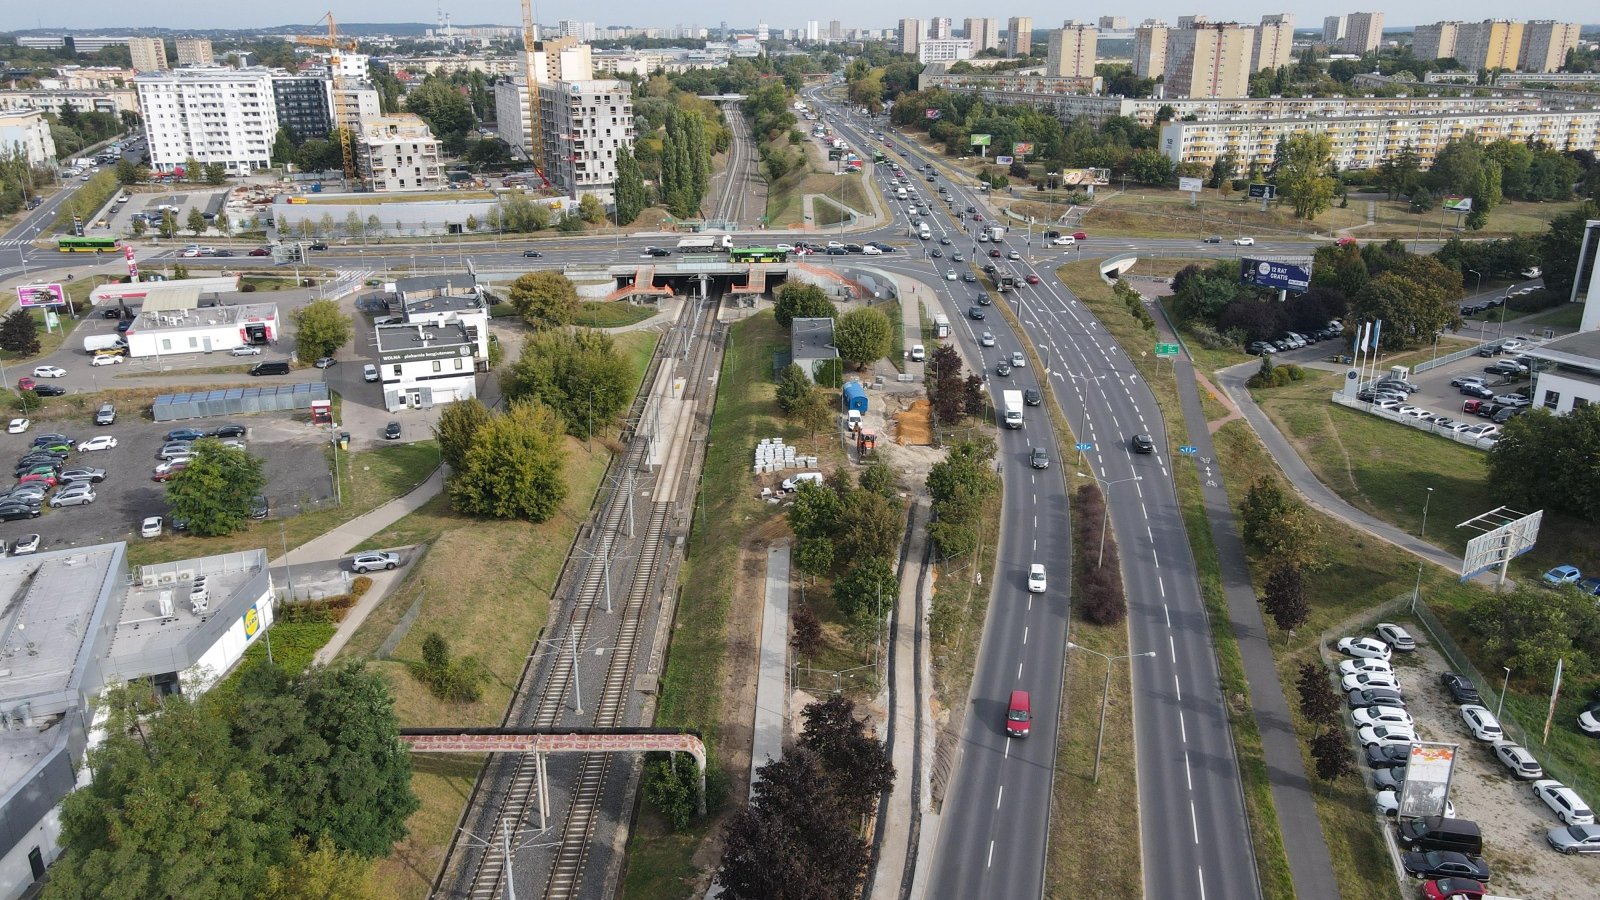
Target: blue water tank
point(855, 396)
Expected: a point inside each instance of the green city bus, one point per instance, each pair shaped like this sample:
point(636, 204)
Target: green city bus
point(757, 255)
point(73, 244)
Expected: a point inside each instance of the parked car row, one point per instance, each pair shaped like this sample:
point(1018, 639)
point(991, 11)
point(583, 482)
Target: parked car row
point(43, 468)
point(177, 449)
point(1294, 340)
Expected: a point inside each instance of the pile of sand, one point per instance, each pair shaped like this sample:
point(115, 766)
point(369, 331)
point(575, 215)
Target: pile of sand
point(914, 426)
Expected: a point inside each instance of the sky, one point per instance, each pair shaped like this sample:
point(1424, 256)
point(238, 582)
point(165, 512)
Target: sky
point(110, 15)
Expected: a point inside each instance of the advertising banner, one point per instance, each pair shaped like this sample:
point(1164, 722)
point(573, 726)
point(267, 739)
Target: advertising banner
point(1458, 204)
point(1427, 786)
point(1278, 275)
point(980, 140)
point(1002, 160)
point(1192, 185)
point(1021, 148)
point(41, 295)
point(931, 113)
point(1263, 192)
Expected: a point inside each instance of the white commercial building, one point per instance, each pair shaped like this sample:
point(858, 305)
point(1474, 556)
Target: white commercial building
point(174, 326)
point(211, 115)
point(1567, 376)
point(79, 621)
point(422, 365)
point(943, 51)
point(28, 131)
point(398, 153)
point(584, 125)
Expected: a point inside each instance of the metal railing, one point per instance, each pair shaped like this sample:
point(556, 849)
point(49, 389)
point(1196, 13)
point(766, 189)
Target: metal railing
point(1419, 424)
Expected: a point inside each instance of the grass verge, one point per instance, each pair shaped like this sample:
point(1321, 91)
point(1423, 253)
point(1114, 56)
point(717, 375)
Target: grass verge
point(597, 314)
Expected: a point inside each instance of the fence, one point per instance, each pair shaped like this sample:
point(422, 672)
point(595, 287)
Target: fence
point(1448, 358)
point(1471, 440)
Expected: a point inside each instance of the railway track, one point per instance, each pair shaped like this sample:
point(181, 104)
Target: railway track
point(741, 154)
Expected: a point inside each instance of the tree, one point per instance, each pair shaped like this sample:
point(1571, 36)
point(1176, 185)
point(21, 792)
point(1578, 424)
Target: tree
point(685, 162)
point(1285, 597)
point(795, 839)
point(1331, 752)
point(445, 110)
point(796, 300)
point(127, 172)
point(1559, 246)
point(1303, 173)
point(1318, 703)
point(169, 224)
point(1416, 300)
point(213, 492)
point(216, 173)
point(320, 329)
point(196, 222)
point(878, 478)
point(630, 192)
point(794, 388)
point(19, 332)
point(139, 227)
point(327, 744)
point(946, 382)
point(863, 336)
point(858, 764)
point(1533, 446)
point(815, 510)
point(283, 148)
point(867, 590)
point(514, 471)
point(544, 299)
point(868, 526)
point(323, 873)
point(457, 680)
point(591, 210)
point(1531, 629)
point(580, 375)
point(459, 424)
point(1149, 167)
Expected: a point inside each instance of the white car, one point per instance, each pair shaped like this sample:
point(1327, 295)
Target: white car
point(1518, 760)
point(100, 442)
point(1381, 715)
point(28, 543)
point(1066, 240)
point(1564, 802)
point(833, 245)
point(1364, 647)
point(246, 350)
point(1018, 361)
point(1384, 735)
point(1036, 579)
point(107, 360)
point(150, 527)
point(18, 426)
point(786, 248)
point(918, 353)
point(1388, 804)
point(950, 275)
point(1363, 680)
point(986, 340)
point(1244, 242)
point(1512, 346)
point(1352, 666)
point(870, 250)
point(1481, 722)
point(49, 372)
point(1396, 637)
point(1589, 722)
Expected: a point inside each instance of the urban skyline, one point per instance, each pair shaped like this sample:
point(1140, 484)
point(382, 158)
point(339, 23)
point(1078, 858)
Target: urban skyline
point(102, 15)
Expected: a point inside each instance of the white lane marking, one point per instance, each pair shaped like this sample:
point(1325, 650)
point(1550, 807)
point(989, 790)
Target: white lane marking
point(1200, 879)
point(1187, 774)
point(1019, 671)
point(1162, 585)
point(1144, 510)
point(990, 861)
point(1149, 534)
point(1033, 498)
point(1183, 731)
point(999, 795)
point(1194, 823)
point(1172, 650)
point(1178, 690)
point(1024, 635)
point(1167, 613)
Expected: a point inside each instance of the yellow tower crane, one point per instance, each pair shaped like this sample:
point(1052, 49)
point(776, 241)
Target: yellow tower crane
point(342, 128)
point(530, 43)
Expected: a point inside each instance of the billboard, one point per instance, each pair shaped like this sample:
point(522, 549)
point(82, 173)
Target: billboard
point(981, 140)
point(1458, 204)
point(931, 113)
point(1273, 274)
point(1263, 192)
point(41, 295)
point(1193, 185)
point(1021, 148)
point(1003, 160)
point(1427, 786)
point(1504, 535)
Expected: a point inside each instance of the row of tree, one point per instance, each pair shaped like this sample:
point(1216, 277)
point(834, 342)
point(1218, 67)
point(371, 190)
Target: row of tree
point(1288, 541)
point(1323, 708)
point(849, 533)
point(960, 485)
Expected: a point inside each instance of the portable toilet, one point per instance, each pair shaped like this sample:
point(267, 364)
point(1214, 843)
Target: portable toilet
point(855, 397)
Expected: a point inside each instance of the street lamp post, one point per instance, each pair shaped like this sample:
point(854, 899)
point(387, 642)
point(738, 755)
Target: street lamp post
point(1504, 686)
point(1105, 697)
point(1424, 532)
point(1105, 506)
point(1478, 285)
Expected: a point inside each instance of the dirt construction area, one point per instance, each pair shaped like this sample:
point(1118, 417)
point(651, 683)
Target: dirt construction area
point(1514, 822)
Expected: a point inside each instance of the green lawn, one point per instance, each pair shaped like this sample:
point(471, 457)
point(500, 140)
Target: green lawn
point(611, 314)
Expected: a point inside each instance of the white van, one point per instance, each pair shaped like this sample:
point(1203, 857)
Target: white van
point(369, 372)
point(923, 232)
point(900, 193)
point(790, 484)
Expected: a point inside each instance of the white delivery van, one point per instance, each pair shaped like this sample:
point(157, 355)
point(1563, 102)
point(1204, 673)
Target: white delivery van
point(923, 232)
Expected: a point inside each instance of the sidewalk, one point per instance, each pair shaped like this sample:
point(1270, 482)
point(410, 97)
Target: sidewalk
point(772, 679)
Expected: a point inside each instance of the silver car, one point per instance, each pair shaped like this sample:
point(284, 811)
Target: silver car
point(1575, 839)
point(76, 495)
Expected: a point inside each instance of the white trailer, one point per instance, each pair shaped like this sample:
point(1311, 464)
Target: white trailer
point(1013, 408)
point(706, 243)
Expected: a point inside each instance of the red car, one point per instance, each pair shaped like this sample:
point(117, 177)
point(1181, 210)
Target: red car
point(260, 251)
point(167, 475)
point(1031, 278)
point(48, 481)
point(1453, 889)
point(1344, 242)
point(995, 253)
point(1019, 714)
point(25, 384)
point(977, 217)
point(1080, 235)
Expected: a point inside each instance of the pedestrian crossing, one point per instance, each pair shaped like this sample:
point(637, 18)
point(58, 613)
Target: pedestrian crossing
point(16, 242)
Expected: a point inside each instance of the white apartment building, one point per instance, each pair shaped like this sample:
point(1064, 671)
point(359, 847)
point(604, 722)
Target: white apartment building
point(195, 51)
point(148, 54)
point(397, 153)
point(1364, 142)
point(910, 35)
point(582, 31)
point(110, 100)
point(1072, 51)
point(1150, 49)
point(562, 59)
point(944, 51)
point(28, 131)
point(1545, 44)
point(213, 115)
point(1274, 42)
point(584, 125)
point(984, 34)
point(356, 105)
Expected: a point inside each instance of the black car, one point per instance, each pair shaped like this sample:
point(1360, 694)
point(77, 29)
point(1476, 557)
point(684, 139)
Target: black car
point(1003, 369)
point(111, 312)
point(1143, 443)
point(837, 251)
point(1039, 458)
point(1444, 864)
point(1365, 697)
point(223, 252)
point(319, 245)
point(49, 390)
point(1505, 414)
point(392, 431)
point(982, 299)
point(1460, 687)
point(936, 253)
point(854, 248)
point(1477, 390)
point(1487, 410)
point(975, 313)
point(226, 431)
point(10, 512)
point(990, 268)
point(259, 507)
point(532, 254)
point(185, 434)
point(1032, 397)
point(1388, 756)
point(1214, 239)
point(969, 278)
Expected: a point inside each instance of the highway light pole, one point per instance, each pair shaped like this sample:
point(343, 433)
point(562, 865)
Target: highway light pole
point(1105, 697)
point(1424, 532)
point(1504, 686)
point(1105, 507)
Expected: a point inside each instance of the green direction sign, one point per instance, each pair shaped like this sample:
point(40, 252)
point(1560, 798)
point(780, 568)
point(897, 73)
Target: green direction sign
point(981, 140)
point(1166, 349)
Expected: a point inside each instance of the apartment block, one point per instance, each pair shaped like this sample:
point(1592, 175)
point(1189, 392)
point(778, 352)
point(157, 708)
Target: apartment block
point(1490, 44)
point(1363, 32)
point(1333, 30)
point(106, 100)
point(944, 51)
point(1150, 49)
point(305, 105)
point(1211, 60)
point(940, 28)
point(584, 125)
point(1274, 42)
point(148, 54)
point(28, 131)
point(984, 34)
point(1072, 51)
point(1019, 36)
point(1364, 142)
point(194, 51)
point(910, 35)
point(213, 115)
point(356, 105)
point(835, 32)
point(1545, 44)
point(1113, 23)
point(397, 153)
point(1436, 41)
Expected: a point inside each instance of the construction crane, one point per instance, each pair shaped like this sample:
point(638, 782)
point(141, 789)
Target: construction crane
point(340, 126)
point(530, 41)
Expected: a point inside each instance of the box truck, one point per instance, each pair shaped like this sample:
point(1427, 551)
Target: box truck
point(96, 342)
point(941, 325)
point(1013, 408)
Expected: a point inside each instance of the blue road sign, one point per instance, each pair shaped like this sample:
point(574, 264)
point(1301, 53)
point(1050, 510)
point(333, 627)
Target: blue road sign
point(1189, 450)
point(1082, 446)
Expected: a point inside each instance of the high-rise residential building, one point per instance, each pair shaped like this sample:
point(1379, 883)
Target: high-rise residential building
point(1019, 36)
point(813, 31)
point(1333, 30)
point(1274, 42)
point(941, 28)
point(194, 51)
point(396, 153)
point(910, 35)
point(1363, 32)
point(763, 32)
point(1211, 60)
point(213, 115)
point(1191, 21)
point(585, 125)
point(1113, 23)
point(1150, 49)
point(984, 34)
point(304, 104)
point(555, 59)
point(835, 32)
point(356, 104)
point(1072, 51)
point(29, 131)
point(1490, 44)
point(583, 31)
point(1436, 41)
point(944, 50)
point(1545, 44)
point(149, 54)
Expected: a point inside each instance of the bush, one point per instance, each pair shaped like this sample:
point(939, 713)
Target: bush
point(1207, 337)
point(1099, 578)
point(247, 288)
point(360, 585)
point(1540, 299)
point(327, 609)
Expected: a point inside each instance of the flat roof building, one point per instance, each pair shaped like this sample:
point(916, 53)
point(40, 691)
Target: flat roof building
point(585, 125)
point(27, 130)
point(148, 54)
point(1072, 51)
point(1490, 44)
point(194, 51)
point(1209, 60)
point(1019, 36)
point(397, 153)
point(209, 115)
point(1545, 44)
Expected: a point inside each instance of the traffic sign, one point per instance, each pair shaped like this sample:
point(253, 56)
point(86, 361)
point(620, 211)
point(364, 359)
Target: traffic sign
point(1188, 451)
point(1166, 349)
point(1085, 447)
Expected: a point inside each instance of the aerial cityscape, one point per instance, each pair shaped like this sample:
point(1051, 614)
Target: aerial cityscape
point(1122, 456)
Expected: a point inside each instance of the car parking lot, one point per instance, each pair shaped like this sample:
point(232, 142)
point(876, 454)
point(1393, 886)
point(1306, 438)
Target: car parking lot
point(291, 448)
point(1483, 789)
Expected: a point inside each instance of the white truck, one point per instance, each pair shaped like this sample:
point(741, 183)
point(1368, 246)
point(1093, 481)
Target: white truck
point(706, 243)
point(1013, 408)
point(97, 342)
point(997, 233)
point(941, 325)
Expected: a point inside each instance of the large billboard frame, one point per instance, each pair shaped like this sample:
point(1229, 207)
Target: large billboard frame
point(981, 140)
point(1505, 535)
point(1276, 274)
point(1429, 770)
point(34, 296)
